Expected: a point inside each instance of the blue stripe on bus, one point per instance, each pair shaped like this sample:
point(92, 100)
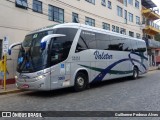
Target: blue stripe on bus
point(103, 73)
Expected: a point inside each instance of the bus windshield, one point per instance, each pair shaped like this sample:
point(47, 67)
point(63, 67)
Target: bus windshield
point(31, 58)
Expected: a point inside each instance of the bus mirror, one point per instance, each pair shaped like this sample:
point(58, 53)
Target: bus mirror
point(43, 45)
point(9, 51)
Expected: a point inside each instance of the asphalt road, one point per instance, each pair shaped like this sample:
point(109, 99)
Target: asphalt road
point(142, 94)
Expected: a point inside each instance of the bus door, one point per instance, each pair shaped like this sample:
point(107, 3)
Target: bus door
point(60, 70)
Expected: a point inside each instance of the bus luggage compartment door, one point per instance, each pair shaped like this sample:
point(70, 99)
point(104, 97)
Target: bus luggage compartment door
point(60, 75)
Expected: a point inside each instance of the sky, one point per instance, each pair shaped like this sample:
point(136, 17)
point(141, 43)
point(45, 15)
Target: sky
point(157, 2)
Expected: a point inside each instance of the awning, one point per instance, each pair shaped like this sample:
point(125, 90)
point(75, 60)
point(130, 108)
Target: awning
point(148, 4)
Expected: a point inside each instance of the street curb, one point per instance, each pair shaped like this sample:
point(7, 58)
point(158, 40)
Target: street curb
point(10, 92)
point(153, 69)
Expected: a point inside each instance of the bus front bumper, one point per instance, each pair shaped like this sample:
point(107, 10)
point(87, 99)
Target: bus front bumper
point(35, 84)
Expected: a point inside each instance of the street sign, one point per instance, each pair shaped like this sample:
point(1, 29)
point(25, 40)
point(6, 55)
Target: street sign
point(5, 45)
point(5, 40)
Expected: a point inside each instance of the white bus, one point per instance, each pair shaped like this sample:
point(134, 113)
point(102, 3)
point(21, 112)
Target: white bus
point(73, 54)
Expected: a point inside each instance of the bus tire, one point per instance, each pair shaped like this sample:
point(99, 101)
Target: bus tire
point(80, 82)
point(135, 73)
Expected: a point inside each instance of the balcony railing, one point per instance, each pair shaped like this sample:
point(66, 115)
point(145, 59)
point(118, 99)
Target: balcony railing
point(151, 23)
point(152, 43)
point(150, 14)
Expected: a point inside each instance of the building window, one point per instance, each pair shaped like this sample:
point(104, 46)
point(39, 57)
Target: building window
point(143, 20)
point(103, 2)
point(56, 14)
point(117, 29)
point(109, 5)
point(90, 21)
point(125, 2)
point(91, 1)
point(106, 26)
point(130, 17)
point(113, 28)
point(37, 6)
point(137, 4)
point(21, 4)
point(123, 31)
point(131, 33)
point(75, 18)
point(119, 11)
point(138, 35)
point(137, 20)
point(130, 2)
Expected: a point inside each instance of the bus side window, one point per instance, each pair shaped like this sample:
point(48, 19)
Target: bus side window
point(103, 41)
point(141, 46)
point(81, 45)
point(86, 41)
point(127, 45)
point(134, 45)
point(116, 43)
point(90, 39)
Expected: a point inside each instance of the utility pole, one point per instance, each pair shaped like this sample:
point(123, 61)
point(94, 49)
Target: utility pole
point(5, 70)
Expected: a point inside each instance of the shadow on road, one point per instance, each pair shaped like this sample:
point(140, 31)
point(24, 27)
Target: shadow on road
point(65, 91)
point(114, 81)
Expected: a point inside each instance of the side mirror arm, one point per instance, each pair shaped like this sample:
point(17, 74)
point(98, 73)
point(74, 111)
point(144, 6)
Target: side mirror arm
point(12, 46)
point(48, 38)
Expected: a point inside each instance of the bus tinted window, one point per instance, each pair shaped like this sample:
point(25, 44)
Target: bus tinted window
point(116, 43)
point(134, 45)
point(92, 40)
point(103, 41)
point(86, 41)
point(127, 45)
point(89, 38)
point(60, 46)
point(141, 46)
point(81, 45)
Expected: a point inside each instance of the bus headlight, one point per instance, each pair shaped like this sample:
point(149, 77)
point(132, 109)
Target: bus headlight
point(40, 77)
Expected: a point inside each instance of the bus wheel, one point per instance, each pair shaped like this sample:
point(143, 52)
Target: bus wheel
point(80, 82)
point(135, 73)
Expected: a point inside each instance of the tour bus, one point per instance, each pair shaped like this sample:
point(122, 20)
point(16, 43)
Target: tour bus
point(74, 54)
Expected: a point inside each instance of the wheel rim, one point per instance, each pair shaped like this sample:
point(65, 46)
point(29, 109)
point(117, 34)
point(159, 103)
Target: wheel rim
point(80, 81)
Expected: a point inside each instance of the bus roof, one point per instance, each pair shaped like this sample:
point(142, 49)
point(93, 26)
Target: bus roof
point(87, 27)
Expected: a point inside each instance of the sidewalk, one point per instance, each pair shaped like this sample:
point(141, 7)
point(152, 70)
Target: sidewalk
point(153, 68)
point(10, 88)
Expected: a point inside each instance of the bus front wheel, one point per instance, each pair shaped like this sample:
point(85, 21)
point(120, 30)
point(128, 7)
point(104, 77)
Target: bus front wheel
point(135, 73)
point(80, 82)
